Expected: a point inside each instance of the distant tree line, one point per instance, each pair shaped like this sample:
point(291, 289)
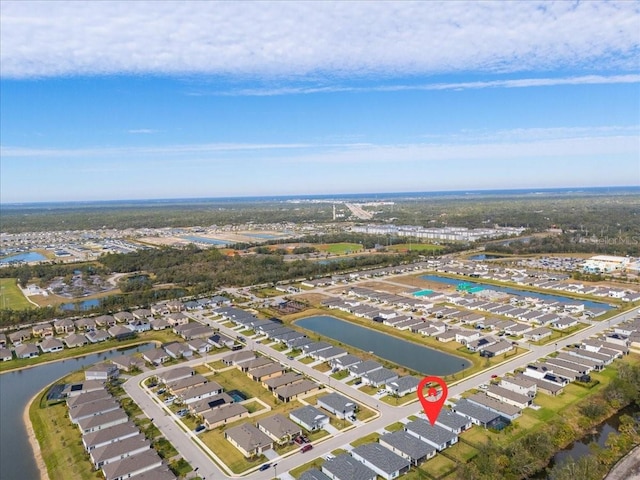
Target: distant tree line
point(571, 243)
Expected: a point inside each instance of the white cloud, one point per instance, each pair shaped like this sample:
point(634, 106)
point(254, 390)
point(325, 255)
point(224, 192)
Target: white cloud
point(469, 146)
point(307, 40)
point(142, 131)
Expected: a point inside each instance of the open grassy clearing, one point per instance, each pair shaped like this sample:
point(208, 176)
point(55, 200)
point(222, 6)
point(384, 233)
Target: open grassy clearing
point(11, 296)
point(340, 248)
point(414, 247)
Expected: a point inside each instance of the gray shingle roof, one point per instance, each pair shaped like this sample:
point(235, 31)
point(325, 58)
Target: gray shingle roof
point(451, 421)
point(345, 467)
point(307, 414)
point(337, 402)
point(313, 474)
point(481, 414)
point(381, 457)
point(408, 444)
point(433, 433)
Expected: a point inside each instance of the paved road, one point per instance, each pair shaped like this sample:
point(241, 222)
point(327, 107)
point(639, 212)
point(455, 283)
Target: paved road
point(189, 449)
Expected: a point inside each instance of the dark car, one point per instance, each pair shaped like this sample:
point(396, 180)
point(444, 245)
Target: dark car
point(200, 428)
point(265, 467)
point(306, 448)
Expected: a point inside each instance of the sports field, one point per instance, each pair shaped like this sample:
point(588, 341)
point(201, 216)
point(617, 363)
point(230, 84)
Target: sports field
point(340, 248)
point(11, 296)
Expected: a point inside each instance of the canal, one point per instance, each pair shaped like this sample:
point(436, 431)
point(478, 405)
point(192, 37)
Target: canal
point(515, 291)
point(16, 389)
point(401, 352)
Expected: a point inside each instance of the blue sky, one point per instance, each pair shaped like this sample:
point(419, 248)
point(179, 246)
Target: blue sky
point(128, 100)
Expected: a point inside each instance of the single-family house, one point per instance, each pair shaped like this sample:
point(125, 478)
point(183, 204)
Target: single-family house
point(118, 450)
point(75, 340)
point(279, 428)
point(520, 385)
point(199, 346)
point(248, 439)
point(26, 350)
point(496, 349)
point(134, 465)
point(16, 338)
point(237, 358)
point(99, 422)
point(64, 325)
point(379, 377)
point(85, 323)
point(289, 392)
point(127, 362)
point(5, 354)
point(345, 467)
point(223, 414)
point(507, 410)
point(96, 336)
point(159, 324)
point(261, 374)
point(156, 356)
point(177, 319)
point(43, 330)
point(453, 422)
point(402, 386)
point(105, 321)
point(286, 378)
point(191, 381)
point(381, 460)
point(537, 334)
point(92, 409)
point(120, 332)
point(124, 317)
point(408, 446)
point(104, 372)
point(142, 313)
point(200, 392)
point(109, 435)
point(178, 350)
point(435, 435)
point(220, 340)
point(340, 406)
point(309, 417)
point(50, 345)
point(477, 414)
point(508, 396)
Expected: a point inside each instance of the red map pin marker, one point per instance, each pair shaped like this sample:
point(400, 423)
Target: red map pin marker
point(433, 401)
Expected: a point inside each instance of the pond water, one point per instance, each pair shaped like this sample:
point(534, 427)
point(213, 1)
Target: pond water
point(516, 292)
point(83, 305)
point(411, 355)
point(16, 389)
point(484, 256)
point(23, 257)
point(599, 436)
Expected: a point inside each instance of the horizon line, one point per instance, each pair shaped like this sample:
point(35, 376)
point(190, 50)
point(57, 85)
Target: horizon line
point(327, 195)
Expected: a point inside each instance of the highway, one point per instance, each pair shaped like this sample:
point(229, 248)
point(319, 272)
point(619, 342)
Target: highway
point(188, 446)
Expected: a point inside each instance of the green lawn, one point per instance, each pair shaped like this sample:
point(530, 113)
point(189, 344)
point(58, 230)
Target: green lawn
point(394, 427)
point(371, 438)
point(11, 297)
point(414, 247)
point(340, 248)
point(340, 374)
point(296, 472)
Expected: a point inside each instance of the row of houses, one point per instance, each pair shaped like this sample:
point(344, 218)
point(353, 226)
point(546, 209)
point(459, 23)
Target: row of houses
point(114, 444)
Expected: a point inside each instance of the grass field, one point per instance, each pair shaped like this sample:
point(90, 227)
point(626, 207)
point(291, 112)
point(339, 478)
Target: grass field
point(11, 296)
point(414, 247)
point(340, 248)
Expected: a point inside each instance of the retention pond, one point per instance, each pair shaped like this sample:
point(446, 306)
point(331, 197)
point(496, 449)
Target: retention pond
point(407, 354)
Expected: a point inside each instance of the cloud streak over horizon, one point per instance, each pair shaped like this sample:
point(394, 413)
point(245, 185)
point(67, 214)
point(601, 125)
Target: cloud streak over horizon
point(308, 40)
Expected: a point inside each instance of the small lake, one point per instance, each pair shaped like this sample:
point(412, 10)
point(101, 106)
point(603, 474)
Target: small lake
point(81, 306)
point(23, 257)
point(514, 291)
point(407, 354)
point(599, 436)
point(484, 256)
point(16, 389)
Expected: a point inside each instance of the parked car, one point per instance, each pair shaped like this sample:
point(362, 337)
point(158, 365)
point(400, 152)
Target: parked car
point(182, 413)
point(306, 448)
point(265, 467)
point(289, 357)
point(494, 376)
point(200, 428)
point(298, 440)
